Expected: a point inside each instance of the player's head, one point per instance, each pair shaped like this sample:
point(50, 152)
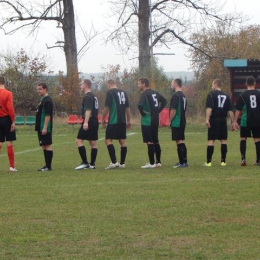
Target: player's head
point(143, 83)
point(176, 83)
point(216, 84)
point(42, 89)
point(2, 80)
point(111, 84)
point(250, 81)
point(85, 85)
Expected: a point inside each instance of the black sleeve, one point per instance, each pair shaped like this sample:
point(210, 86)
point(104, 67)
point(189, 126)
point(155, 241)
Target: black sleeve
point(209, 102)
point(48, 107)
point(162, 103)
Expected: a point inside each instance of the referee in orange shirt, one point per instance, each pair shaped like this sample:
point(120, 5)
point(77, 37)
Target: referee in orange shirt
point(7, 122)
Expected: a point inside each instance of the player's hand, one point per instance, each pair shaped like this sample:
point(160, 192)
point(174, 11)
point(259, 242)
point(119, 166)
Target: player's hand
point(85, 126)
point(44, 131)
point(235, 126)
point(128, 126)
point(12, 127)
point(207, 124)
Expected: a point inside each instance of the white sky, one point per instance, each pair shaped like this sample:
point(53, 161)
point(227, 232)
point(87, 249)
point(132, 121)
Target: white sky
point(95, 11)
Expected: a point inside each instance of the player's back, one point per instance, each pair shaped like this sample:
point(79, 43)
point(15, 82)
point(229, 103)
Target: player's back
point(117, 101)
point(220, 103)
point(251, 107)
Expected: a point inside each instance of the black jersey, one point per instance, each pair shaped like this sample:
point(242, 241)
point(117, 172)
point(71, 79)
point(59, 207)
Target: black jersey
point(249, 103)
point(45, 108)
point(90, 102)
point(178, 103)
point(117, 102)
point(151, 103)
point(219, 102)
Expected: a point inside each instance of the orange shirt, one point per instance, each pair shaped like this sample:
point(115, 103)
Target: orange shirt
point(6, 104)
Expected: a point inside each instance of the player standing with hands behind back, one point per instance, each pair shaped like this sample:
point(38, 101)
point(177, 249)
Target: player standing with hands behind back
point(150, 104)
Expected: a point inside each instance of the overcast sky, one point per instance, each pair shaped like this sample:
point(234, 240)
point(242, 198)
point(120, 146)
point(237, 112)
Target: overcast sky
point(95, 11)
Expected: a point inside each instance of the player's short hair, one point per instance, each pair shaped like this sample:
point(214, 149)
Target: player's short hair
point(218, 82)
point(43, 85)
point(111, 82)
point(250, 81)
point(144, 81)
point(87, 82)
point(178, 82)
point(2, 80)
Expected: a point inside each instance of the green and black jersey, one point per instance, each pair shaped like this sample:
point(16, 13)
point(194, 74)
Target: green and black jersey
point(179, 104)
point(117, 102)
point(219, 102)
point(45, 108)
point(249, 103)
point(151, 103)
point(90, 102)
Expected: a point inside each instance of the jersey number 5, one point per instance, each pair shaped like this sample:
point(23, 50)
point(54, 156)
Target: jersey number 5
point(155, 100)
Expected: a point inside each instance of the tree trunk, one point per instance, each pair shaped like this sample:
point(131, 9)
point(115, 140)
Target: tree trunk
point(144, 36)
point(70, 45)
point(70, 50)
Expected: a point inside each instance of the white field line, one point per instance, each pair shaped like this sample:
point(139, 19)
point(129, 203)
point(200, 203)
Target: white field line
point(39, 148)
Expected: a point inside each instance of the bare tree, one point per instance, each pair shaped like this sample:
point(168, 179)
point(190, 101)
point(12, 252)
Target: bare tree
point(144, 24)
point(19, 14)
point(32, 13)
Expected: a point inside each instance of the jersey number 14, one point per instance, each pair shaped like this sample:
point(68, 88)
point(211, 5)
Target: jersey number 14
point(121, 96)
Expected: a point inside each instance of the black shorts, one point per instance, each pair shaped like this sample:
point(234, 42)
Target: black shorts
point(150, 134)
point(246, 132)
point(178, 133)
point(116, 131)
point(92, 133)
point(44, 139)
point(5, 126)
point(218, 129)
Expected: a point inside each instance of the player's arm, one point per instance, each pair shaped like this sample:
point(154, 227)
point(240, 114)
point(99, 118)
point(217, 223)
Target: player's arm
point(231, 115)
point(128, 123)
point(172, 114)
point(105, 113)
point(11, 112)
point(235, 125)
point(46, 122)
point(163, 102)
point(48, 108)
point(87, 115)
point(208, 113)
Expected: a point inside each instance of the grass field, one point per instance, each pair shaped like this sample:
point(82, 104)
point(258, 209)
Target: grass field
point(132, 213)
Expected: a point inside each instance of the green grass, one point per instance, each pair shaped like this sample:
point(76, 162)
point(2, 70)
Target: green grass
point(191, 213)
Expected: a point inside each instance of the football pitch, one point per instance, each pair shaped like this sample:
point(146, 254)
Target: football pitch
point(185, 213)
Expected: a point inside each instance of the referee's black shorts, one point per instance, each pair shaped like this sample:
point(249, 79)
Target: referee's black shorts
point(218, 128)
point(92, 133)
point(116, 131)
point(5, 127)
point(150, 134)
point(250, 131)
